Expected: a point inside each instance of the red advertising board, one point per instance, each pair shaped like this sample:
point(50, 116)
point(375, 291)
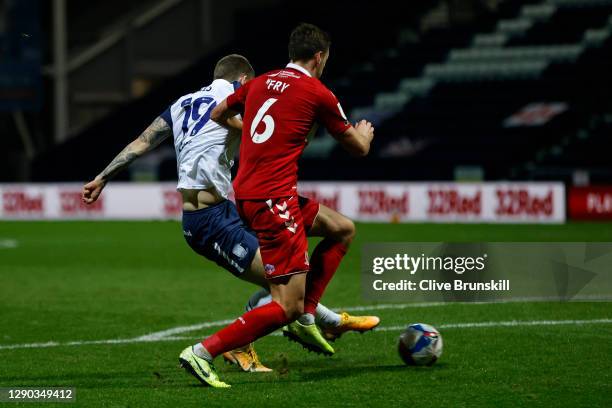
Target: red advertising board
point(590, 203)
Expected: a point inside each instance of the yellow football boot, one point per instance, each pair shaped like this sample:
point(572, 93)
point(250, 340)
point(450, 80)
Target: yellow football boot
point(350, 323)
point(201, 369)
point(247, 359)
point(309, 336)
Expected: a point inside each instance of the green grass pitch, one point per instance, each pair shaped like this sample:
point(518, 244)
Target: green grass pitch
point(77, 283)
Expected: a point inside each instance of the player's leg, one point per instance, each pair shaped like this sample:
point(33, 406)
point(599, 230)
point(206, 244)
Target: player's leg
point(334, 228)
point(246, 357)
point(280, 230)
point(255, 273)
point(287, 304)
point(283, 246)
point(218, 234)
point(328, 223)
point(293, 250)
point(324, 316)
point(338, 232)
point(331, 323)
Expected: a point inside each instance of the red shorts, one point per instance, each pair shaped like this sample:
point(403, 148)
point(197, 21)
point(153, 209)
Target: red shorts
point(281, 225)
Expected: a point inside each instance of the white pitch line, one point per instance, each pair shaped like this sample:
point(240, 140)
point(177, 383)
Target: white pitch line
point(385, 306)
point(165, 335)
point(182, 329)
point(8, 243)
point(88, 342)
point(475, 325)
point(509, 323)
point(465, 325)
point(199, 326)
point(169, 334)
point(398, 306)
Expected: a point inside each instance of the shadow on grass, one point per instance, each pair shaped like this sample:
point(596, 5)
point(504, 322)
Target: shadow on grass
point(301, 374)
point(343, 372)
point(312, 371)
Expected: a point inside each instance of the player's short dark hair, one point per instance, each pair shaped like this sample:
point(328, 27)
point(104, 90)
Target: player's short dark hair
point(306, 40)
point(232, 67)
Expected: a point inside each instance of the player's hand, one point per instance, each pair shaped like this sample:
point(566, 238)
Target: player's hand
point(92, 190)
point(366, 129)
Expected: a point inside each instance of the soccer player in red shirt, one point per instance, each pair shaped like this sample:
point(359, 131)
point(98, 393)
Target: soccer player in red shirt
point(280, 110)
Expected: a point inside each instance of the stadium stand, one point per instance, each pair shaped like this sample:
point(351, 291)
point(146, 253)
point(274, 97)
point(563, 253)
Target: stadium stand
point(545, 68)
point(514, 91)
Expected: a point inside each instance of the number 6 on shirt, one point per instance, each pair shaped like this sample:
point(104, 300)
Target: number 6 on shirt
point(267, 120)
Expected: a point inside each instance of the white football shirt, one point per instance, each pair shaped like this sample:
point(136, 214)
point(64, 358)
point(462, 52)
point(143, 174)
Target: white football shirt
point(205, 150)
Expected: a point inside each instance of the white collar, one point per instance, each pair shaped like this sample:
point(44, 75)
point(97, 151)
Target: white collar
point(222, 80)
point(299, 68)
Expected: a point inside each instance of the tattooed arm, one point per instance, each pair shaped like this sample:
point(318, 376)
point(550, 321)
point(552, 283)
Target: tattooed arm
point(153, 135)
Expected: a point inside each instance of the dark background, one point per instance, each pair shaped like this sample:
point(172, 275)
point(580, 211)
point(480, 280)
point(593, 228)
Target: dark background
point(449, 126)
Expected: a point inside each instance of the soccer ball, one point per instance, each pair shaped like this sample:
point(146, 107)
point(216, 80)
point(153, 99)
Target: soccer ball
point(420, 344)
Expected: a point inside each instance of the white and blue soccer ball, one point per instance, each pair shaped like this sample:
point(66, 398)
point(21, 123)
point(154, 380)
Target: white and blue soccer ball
point(420, 344)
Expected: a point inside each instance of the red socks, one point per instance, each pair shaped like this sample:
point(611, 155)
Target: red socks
point(246, 329)
point(265, 319)
point(323, 264)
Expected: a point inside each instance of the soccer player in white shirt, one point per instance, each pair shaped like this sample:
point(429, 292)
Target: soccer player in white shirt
point(205, 154)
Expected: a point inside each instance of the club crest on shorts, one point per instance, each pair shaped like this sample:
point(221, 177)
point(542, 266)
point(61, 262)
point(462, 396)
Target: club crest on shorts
point(239, 251)
point(269, 269)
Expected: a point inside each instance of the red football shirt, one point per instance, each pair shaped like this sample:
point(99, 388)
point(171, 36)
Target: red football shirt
point(280, 109)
